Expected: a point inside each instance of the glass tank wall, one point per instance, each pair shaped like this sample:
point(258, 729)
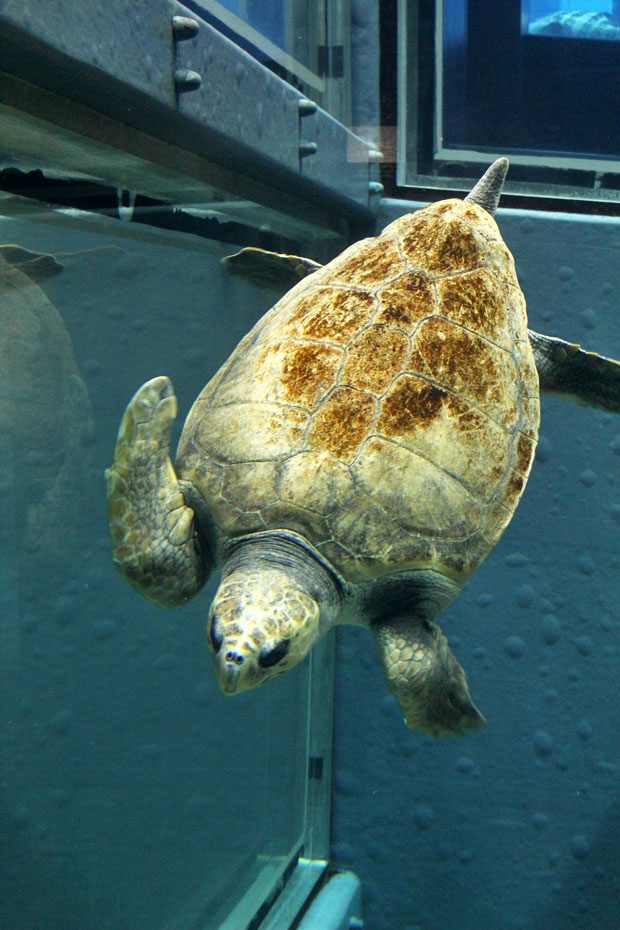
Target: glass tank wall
point(308, 43)
point(134, 795)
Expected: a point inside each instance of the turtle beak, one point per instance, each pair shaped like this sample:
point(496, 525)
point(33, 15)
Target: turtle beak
point(229, 680)
point(235, 670)
point(228, 675)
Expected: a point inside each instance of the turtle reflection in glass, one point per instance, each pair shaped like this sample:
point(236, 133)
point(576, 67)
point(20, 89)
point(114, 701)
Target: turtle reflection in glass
point(356, 458)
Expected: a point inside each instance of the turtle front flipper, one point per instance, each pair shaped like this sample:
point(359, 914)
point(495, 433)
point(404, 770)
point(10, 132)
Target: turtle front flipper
point(155, 540)
point(429, 683)
point(584, 377)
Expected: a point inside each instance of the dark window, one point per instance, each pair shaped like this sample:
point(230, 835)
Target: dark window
point(520, 78)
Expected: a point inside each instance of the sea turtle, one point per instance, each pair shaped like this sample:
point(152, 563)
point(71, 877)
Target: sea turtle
point(356, 458)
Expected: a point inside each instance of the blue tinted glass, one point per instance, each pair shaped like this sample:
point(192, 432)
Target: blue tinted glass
point(549, 93)
point(266, 16)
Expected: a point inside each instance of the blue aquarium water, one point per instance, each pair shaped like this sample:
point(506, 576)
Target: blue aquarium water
point(134, 795)
point(133, 792)
point(592, 19)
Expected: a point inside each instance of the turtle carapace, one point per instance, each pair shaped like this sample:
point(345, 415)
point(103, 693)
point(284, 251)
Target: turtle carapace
point(356, 458)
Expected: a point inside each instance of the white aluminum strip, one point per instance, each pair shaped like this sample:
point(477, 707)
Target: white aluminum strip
point(541, 159)
point(294, 895)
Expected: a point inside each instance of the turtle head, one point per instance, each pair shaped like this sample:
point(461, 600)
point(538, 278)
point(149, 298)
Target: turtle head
point(260, 624)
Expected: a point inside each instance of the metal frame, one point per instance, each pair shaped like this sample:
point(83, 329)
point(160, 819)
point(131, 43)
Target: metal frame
point(326, 28)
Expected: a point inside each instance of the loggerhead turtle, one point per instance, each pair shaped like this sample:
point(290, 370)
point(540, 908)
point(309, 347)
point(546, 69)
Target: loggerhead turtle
point(356, 458)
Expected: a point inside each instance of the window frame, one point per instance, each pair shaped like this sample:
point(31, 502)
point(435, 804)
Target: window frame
point(425, 162)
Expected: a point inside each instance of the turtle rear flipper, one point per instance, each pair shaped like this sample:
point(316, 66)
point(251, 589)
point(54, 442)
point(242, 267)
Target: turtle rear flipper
point(273, 270)
point(430, 685)
point(37, 265)
point(586, 378)
point(155, 541)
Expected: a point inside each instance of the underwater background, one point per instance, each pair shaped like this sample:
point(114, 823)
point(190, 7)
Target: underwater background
point(133, 795)
point(124, 769)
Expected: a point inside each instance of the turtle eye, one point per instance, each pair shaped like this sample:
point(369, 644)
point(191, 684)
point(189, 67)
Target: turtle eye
point(270, 657)
point(215, 637)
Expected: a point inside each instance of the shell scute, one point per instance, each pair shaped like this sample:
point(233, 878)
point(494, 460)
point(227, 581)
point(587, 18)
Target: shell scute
point(513, 490)
point(249, 481)
point(472, 367)
point(477, 300)
point(375, 358)
point(261, 432)
point(530, 405)
point(442, 245)
point(315, 479)
point(526, 447)
point(308, 371)
point(406, 301)
point(342, 423)
point(431, 422)
point(332, 313)
point(297, 518)
point(362, 523)
point(446, 509)
point(370, 261)
point(288, 372)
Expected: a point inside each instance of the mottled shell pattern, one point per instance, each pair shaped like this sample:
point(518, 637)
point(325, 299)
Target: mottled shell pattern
point(386, 408)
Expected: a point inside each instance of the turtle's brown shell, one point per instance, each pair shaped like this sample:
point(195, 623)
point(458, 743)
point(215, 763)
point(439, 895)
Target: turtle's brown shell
point(386, 408)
